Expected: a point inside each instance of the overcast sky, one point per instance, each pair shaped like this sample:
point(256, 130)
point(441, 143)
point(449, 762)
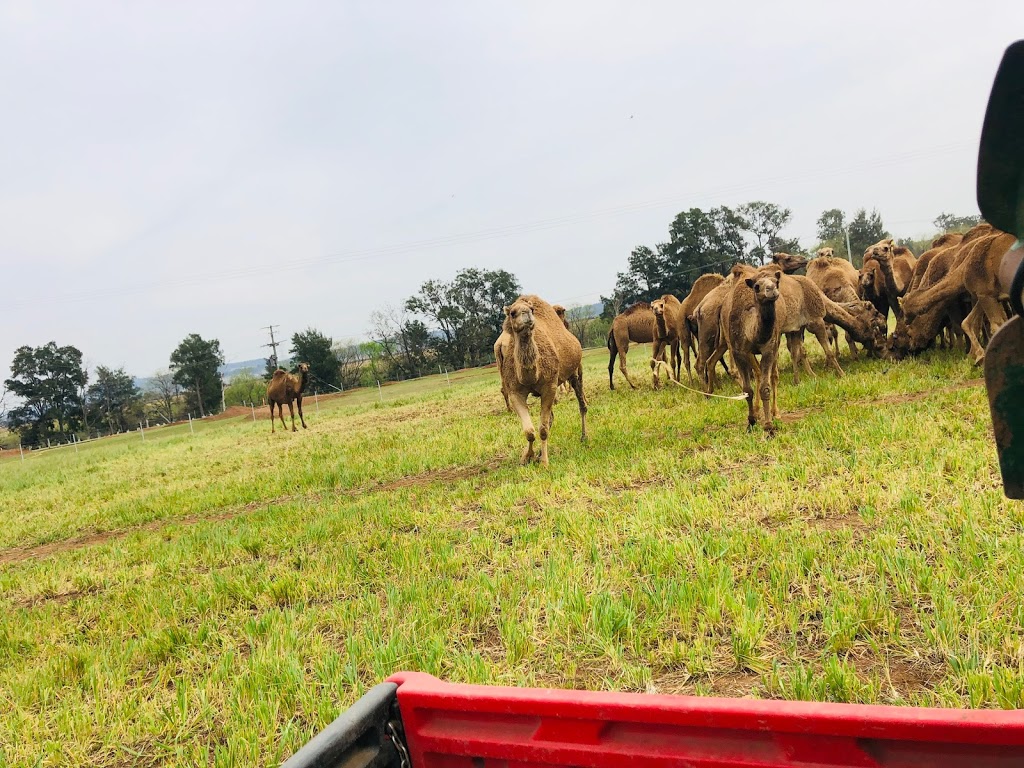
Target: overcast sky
point(168, 168)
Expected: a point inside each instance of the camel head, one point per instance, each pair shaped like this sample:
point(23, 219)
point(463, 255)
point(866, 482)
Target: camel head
point(520, 316)
point(789, 262)
point(559, 310)
point(867, 275)
point(877, 322)
point(882, 251)
point(825, 253)
point(765, 286)
point(658, 307)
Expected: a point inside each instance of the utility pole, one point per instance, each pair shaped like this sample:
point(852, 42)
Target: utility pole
point(223, 399)
point(849, 253)
point(273, 341)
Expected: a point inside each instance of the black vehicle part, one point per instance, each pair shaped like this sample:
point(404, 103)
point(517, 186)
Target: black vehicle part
point(1001, 200)
point(368, 734)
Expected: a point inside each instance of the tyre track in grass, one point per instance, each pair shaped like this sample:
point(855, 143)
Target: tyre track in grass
point(19, 554)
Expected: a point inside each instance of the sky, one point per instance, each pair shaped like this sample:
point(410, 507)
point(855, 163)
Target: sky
point(214, 168)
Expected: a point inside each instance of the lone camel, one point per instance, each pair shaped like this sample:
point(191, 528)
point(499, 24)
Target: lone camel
point(285, 387)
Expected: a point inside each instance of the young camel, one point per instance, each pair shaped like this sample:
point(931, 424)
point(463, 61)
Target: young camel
point(666, 335)
point(886, 275)
point(753, 320)
point(563, 388)
point(975, 273)
point(283, 388)
point(837, 279)
point(636, 325)
point(499, 354)
point(707, 320)
point(687, 331)
point(540, 355)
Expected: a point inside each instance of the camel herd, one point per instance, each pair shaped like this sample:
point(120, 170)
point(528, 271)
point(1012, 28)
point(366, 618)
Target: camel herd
point(949, 295)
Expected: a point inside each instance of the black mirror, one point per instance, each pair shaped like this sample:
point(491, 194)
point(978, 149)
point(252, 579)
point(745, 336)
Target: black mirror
point(1001, 154)
point(1001, 201)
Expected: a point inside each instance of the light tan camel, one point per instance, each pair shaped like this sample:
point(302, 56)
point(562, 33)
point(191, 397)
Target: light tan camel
point(284, 388)
point(499, 354)
point(707, 318)
point(837, 279)
point(635, 324)
point(666, 336)
point(886, 275)
point(542, 354)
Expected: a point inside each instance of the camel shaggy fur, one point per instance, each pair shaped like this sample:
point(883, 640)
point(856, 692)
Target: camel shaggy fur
point(563, 388)
point(284, 388)
point(636, 324)
point(975, 273)
point(789, 263)
point(886, 275)
point(541, 354)
point(499, 354)
point(687, 330)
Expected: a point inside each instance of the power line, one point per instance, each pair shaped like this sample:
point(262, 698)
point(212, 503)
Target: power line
point(273, 343)
point(504, 231)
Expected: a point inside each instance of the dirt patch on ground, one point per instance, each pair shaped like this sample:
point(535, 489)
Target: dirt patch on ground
point(453, 474)
point(734, 684)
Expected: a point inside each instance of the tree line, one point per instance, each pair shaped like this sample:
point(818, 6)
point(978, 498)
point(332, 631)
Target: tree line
point(444, 325)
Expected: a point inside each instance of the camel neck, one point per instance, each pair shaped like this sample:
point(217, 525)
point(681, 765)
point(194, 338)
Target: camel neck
point(766, 314)
point(525, 354)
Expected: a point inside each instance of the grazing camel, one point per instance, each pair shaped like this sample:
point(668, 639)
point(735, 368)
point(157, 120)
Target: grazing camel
point(666, 335)
point(975, 273)
point(284, 388)
point(933, 265)
point(635, 324)
point(687, 330)
point(837, 279)
point(540, 355)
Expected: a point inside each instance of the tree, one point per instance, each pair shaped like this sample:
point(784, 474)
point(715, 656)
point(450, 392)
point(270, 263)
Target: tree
point(468, 313)
point(115, 398)
point(48, 381)
point(947, 222)
point(195, 364)
point(579, 318)
point(832, 231)
point(311, 346)
point(404, 344)
point(162, 391)
point(351, 361)
point(245, 388)
point(763, 221)
point(865, 230)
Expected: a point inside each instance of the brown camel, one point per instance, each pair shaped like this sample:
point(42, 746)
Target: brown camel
point(563, 388)
point(789, 263)
point(707, 318)
point(886, 275)
point(666, 336)
point(974, 274)
point(940, 243)
point(635, 324)
point(687, 330)
point(753, 321)
point(933, 265)
point(837, 279)
point(284, 388)
point(542, 354)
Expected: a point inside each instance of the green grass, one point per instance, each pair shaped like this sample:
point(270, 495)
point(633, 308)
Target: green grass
point(217, 598)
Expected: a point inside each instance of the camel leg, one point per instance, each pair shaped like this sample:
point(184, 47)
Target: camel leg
point(985, 308)
point(818, 329)
point(748, 390)
point(769, 376)
point(709, 367)
point(576, 382)
point(677, 361)
point(612, 352)
point(853, 347)
point(291, 410)
point(280, 412)
point(685, 344)
point(775, 390)
point(547, 402)
point(657, 355)
point(298, 402)
point(272, 430)
point(622, 365)
point(519, 406)
point(796, 354)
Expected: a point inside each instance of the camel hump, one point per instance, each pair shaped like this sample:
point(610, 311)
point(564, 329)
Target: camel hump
point(279, 373)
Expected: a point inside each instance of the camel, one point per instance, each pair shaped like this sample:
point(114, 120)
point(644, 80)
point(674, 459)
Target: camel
point(563, 388)
point(837, 279)
point(635, 324)
point(940, 243)
point(707, 319)
point(284, 388)
point(931, 267)
point(666, 335)
point(686, 331)
point(753, 320)
point(540, 355)
point(975, 273)
point(886, 275)
point(789, 263)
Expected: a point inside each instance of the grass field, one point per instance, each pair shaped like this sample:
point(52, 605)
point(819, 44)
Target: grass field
point(216, 598)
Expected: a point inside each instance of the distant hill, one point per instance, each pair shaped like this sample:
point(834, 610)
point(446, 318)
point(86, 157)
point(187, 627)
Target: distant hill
point(229, 370)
